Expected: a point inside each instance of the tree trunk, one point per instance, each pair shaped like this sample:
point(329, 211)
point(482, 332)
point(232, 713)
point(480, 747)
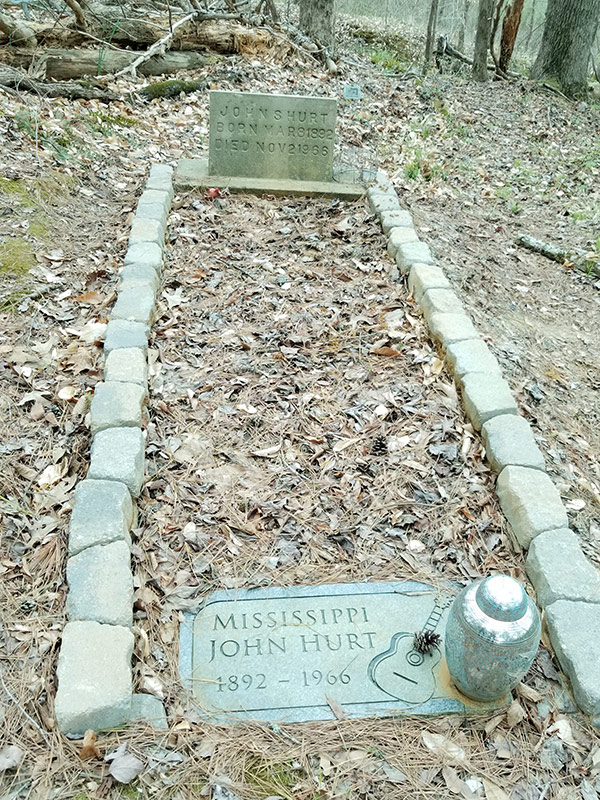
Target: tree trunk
point(510, 28)
point(482, 39)
point(569, 32)
point(317, 20)
point(64, 65)
point(531, 25)
point(431, 31)
point(463, 24)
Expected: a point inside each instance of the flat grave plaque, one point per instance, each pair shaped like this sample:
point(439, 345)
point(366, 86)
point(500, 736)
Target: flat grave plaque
point(290, 654)
point(287, 137)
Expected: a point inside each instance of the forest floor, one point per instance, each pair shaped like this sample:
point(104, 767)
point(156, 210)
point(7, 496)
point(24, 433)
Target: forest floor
point(269, 388)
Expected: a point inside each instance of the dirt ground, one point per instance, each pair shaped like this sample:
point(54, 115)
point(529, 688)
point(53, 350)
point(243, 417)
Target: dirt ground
point(284, 446)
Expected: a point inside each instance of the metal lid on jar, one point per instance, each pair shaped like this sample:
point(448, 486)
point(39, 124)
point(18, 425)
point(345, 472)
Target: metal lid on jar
point(502, 597)
point(498, 609)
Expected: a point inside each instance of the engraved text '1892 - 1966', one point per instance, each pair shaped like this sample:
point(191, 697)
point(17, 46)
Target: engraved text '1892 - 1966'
point(268, 652)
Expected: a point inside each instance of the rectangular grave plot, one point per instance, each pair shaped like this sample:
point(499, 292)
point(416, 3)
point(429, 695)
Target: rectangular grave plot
point(278, 654)
point(271, 136)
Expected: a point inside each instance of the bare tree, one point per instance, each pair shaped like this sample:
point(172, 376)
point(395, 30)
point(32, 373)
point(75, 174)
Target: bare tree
point(463, 24)
point(482, 39)
point(317, 20)
point(433, 13)
point(510, 28)
point(569, 32)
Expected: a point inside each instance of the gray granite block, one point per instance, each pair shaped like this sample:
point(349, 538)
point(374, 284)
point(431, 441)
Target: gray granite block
point(147, 231)
point(508, 439)
point(127, 365)
point(531, 503)
point(559, 570)
point(101, 585)
point(149, 709)
point(148, 253)
point(94, 677)
point(102, 513)
point(118, 455)
point(423, 277)
point(574, 629)
point(136, 303)
point(450, 328)
point(117, 405)
point(122, 333)
point(162, 171)
point(153, 211)
point(440, 301)
point(471, 355)
point(134, 275)
point(152, 198)
point(381, 202)
point(381, 182)
point(161, 179)
point(411, 253)
point(486, 395)
point(399, 236)
point(395, 219)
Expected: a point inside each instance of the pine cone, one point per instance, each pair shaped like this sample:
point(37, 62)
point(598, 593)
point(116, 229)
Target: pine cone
point(426, 642)
point(379, 446)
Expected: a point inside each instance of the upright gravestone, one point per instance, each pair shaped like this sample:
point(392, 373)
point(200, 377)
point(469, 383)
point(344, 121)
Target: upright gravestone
point(275, 143)
point(312, 652)
point(271, 136)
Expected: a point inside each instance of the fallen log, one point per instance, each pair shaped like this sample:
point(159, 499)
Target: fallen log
point(15, 79)
point(65, 65)
point(139, 33)
point(577, 259)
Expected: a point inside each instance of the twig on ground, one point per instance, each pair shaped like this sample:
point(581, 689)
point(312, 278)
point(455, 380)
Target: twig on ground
point(30, 719)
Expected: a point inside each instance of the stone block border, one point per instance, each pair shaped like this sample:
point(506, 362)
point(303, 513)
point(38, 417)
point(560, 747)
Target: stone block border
point(94, 664)
point(567, 585)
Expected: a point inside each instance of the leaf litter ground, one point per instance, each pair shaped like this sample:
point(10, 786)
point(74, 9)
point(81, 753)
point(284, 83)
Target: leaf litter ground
point(287, 442)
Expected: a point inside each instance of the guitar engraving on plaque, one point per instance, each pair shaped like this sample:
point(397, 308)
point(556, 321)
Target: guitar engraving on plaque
point(401, 671)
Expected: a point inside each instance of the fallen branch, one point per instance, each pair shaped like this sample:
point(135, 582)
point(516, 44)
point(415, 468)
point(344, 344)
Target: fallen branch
point(14, 79)
point(575, 258)
point(449, 50)
point(158, 47)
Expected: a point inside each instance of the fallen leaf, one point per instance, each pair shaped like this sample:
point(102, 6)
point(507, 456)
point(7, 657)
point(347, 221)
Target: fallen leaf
point(52, 474)
point(90, 298)
point(443, 747)
point(343, 444)
point(89, 749)
point(151, 685)
point(392, 774)
point(562, 728)
point(124, 768)
point(456, 785)
point(515, 714)
point(67, 392)
point(267, 451)
point(386, 351)
point(528, 693)
point(10, 757)
point(493, 792)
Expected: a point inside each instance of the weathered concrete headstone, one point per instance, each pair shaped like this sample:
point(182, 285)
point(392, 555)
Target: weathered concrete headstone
point(273, 143)
point(271, 136)
point(290, 654)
